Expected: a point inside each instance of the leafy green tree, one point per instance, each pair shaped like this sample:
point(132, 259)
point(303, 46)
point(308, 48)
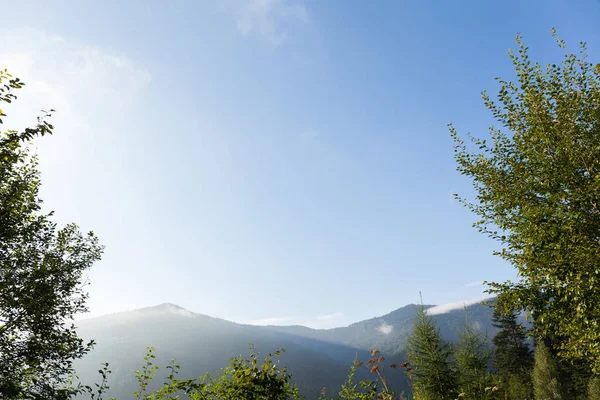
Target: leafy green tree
point(248, 378)
point(545, 375)
point(472, 355)
point(512, 357)
point(172, 387)
point(245, 378)
point(433, 375)
point(41, 270)
point(537, 187)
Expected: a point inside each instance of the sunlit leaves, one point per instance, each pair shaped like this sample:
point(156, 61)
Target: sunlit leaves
point(41, 273)
point(538, 193)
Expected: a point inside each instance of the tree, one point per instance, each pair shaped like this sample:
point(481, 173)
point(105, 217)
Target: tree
point(247, 378)
point(517, 388)
point(594, 388)
point(472, 356)
point(432, 373)
point(574, 376)
point(41, 268)
point(537, 188)
point(545, 375)
point(512, 357)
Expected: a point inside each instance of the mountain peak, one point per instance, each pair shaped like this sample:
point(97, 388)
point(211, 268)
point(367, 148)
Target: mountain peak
point(168, 305)
point(172, 309)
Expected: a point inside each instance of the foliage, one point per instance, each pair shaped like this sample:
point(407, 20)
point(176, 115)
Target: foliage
point(41, 269)
point(70, 390)
point(472, 356)
point(377, 388)
point(574, 376)
point(432, 373)
point(545, 375)
point(517, 386)
point(594, 388)
point(512, 357)
point(244, 378)
point(537, 185)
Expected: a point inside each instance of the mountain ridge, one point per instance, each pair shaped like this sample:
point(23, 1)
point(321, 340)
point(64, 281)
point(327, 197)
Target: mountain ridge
point(174, 308)
point(316, 358)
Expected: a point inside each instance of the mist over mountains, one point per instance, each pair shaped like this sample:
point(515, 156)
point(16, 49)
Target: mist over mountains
point(316, 358)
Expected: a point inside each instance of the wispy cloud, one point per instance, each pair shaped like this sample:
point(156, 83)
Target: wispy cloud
point(70, 77)
point(474, 284)
point(385, 328)
point(330, 316)
point(446, 308)
point(90, 87)
point(270, 321)
point(269, 18)
point(95, 91)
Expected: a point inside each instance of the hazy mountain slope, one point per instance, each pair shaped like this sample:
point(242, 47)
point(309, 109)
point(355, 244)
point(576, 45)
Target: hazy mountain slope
point(389, 332)
point(316, 358)
point(200, 344)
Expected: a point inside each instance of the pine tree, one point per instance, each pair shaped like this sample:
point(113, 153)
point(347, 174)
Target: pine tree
point(513, 359)
point(433, 375)
point(472, 356)
point(545, 374)
point(574, 377)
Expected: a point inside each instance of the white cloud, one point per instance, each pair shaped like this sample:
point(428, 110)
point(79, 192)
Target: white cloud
point(474, 284)
point(268, 18)
point(446, 308)
point(270, 321)
point(330, 316)
point(385, 328)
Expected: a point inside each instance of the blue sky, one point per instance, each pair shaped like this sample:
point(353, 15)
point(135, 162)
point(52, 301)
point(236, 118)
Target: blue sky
point(272, 160)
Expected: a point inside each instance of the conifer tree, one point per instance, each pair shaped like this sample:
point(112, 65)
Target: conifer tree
point(574, 377)
point(512, 357)
point(433, 375)
point(594, 388)
point(545, 374)
point(472, 357)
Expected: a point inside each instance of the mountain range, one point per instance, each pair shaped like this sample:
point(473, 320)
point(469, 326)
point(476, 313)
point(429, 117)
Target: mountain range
point(316, 358)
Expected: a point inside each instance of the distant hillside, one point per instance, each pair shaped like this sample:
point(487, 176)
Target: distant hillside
point(316, 358)
point(389, 332)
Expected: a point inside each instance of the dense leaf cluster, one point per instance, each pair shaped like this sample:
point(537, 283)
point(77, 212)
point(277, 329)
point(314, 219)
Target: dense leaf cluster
point(538, 191)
